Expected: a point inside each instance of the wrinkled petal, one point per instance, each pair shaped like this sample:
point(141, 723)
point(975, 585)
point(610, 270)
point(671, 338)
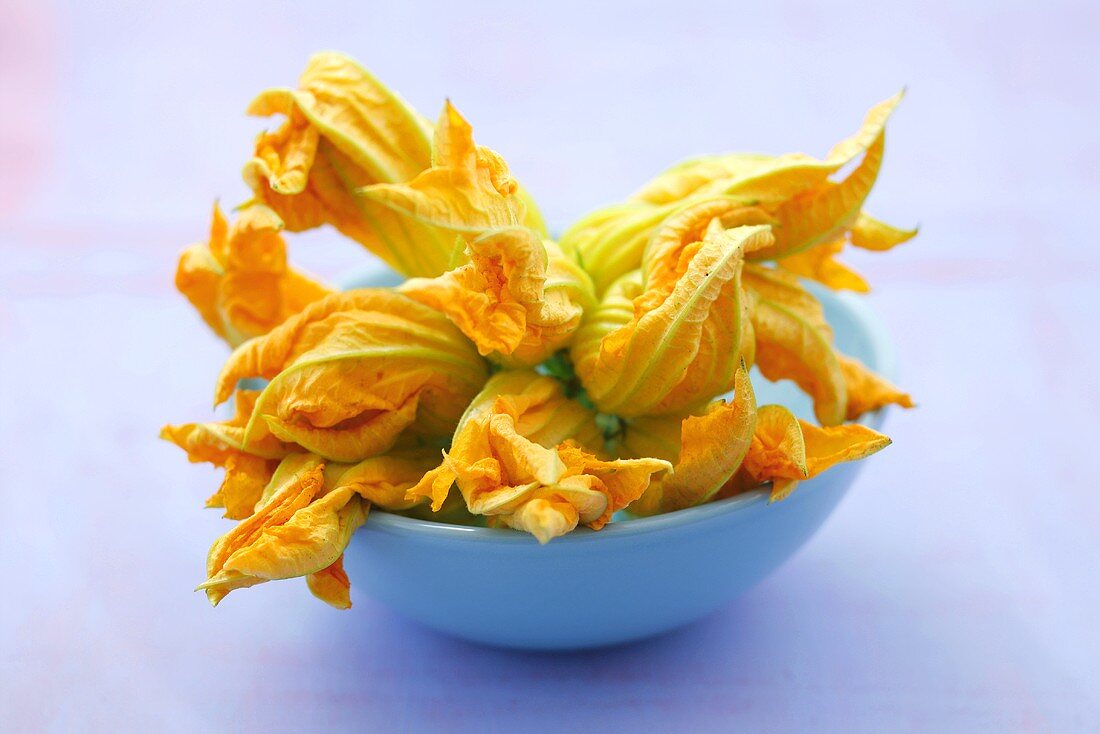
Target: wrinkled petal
point(765, 179)
point(819, 263)
point(786, 450)
point(384, 480)
point(467, 189)
point(244, 482)
point(519, 299)
point(667, 340)
point(705, 449)
point(871, 234)
point(793, 341)
point(239, 280)
point(793, 191)
point(197, 278)
point(514, 457)
point(222, 444)
point(351, 372)
point(868, 391)
point(827, 212)
point(331, 585)
point(297, 481)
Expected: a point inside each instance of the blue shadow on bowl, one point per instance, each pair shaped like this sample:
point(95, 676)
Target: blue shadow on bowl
point(637, 577)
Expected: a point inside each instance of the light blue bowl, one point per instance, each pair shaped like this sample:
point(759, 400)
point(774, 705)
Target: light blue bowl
point(635, 578)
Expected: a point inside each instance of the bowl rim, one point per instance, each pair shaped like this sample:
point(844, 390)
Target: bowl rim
point(884, 361)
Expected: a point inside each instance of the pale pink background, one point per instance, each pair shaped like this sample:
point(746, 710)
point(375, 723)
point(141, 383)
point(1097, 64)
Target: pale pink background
point(954, 590)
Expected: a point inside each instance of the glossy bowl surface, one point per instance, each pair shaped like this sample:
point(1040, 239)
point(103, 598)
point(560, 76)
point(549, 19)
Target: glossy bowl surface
point(635, 578)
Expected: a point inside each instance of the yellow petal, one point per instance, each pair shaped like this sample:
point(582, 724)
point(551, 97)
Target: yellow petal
point(827, 212)
point(671, 343)
point(784, 288)
point(222, 444)
point(199, 274)
point(374, 126)
point(304, 520)
point(819, 263)
point(763, 178)
point(239, 280)
point(513, 458)
point(612, 241)
point(749, 176)
point(384, 480)
point(311, 539)
point(216, 441)
point(794, 342)
point(299, 478)
point(868, 391)
point(467, 189)
point(351, 372)
point(705, 449)
point(408, 246)
point(786, 450)
point(331, 585)
point(871, 234)
point(245, 479)
point(519, 299)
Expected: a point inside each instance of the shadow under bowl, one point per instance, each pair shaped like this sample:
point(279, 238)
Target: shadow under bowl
point(637, 577)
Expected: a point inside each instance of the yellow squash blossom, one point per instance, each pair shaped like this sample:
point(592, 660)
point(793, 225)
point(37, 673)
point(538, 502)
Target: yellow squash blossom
point(794, 190)
point(520, 456)
point(304, 520)
point(704, 449)
point(870, 234)
point(793, 341)
point(345, 130)
point(667, 339)
point(351, 372)
point(518, 298)
point(786, 450)
point(223, 445)
point(239, 280)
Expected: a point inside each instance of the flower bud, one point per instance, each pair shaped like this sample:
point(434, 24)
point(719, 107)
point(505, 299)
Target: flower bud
point(666, 340)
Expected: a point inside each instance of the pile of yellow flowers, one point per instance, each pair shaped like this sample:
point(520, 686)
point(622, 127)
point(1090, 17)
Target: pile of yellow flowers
point(551, 383)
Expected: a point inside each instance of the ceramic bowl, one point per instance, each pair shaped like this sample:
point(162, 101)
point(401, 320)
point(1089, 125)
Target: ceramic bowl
point(635, 578)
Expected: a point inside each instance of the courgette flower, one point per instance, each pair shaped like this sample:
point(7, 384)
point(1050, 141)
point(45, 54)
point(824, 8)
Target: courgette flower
point(523, 455)
point(666, 339)
point(304, 520)
point(239, 280)
point(352, 371)
point(786, 450)
point(795, 191)
point(518, 297)
point(705, 449)
point(346, 130)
